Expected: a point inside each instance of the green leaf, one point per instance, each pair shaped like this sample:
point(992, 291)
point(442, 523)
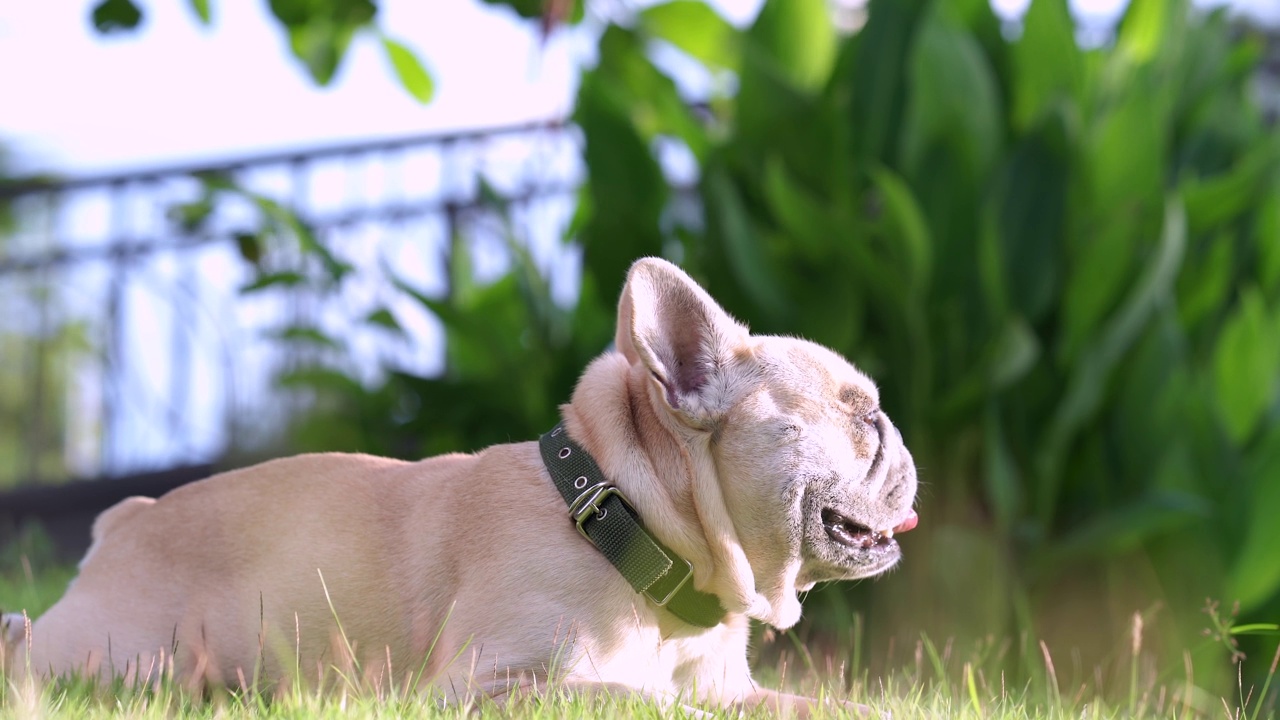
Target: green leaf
point(746, 254)
point(287, 278)
point(1126, 152)
point(320, 46)
point(321, 30)
point(409, 69)
point(1256, 629)
point(1006, 360)
point(321, 378)
point(383, 318)
point(1014, 353)
point(287, 220)
point(954, 99)
point(1091, 375)
point(696, 29)
point(1097, 276)
point(202, 10)
point(800, 215)
point(1214, 201)
point(1206, 283)
point(879, 64)
point(250, 246)
point(1268, 242)
point(1030, 204)
point(305, 336)
point(629, 84)
point(192, 216)
point(1255, 574)
point(1144, 28)
point(115, 16)
point(908, 230)
point(627, 188)
point(1047, 65)
point(799, 39)
point(1001, 476)
point(1246, 364)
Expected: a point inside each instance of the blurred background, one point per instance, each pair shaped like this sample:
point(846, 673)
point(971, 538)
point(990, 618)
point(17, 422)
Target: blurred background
point(1049, 230)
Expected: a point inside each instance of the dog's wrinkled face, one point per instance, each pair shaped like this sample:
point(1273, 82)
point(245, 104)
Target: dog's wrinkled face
point(811, 455)
point(815, 478)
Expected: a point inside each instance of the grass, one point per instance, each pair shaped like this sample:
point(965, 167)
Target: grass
point(933, 681)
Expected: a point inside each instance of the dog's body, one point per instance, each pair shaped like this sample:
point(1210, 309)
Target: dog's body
point(763, 461)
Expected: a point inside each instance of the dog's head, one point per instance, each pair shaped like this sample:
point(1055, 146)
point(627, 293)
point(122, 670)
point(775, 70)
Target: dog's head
point(813, 474)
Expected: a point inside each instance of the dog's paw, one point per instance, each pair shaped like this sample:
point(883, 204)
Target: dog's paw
point(12, 627)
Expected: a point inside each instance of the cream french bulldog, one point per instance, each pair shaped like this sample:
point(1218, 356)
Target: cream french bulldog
point(759, 465)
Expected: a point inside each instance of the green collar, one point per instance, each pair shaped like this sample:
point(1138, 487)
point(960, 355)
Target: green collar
point(605, 517)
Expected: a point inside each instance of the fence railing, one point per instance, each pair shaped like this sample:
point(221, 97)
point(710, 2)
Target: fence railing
point(127, 342)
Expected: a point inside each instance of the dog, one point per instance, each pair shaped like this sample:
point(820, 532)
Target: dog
point(741, 470)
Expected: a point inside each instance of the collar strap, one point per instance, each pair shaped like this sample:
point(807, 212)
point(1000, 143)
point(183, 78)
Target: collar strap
point(605, 517)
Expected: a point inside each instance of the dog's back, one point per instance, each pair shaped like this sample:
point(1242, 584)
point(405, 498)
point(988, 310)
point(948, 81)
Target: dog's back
point(160, 572)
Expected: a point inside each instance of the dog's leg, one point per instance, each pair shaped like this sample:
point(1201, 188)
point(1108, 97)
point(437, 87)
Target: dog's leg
point(13, 627)
point(13, 631)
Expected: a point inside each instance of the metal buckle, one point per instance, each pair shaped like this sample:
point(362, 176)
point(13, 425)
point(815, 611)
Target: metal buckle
point(688, 573)
point(589, 502)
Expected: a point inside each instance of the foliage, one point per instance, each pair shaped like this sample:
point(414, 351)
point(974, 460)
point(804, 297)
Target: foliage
point(319, 32)
point(1059, 266)
point(37, 372)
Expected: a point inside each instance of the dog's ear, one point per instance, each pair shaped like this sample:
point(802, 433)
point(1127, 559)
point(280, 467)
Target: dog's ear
point(671, 326)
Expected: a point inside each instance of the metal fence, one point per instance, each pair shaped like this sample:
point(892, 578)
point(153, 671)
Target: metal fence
point(127, 342)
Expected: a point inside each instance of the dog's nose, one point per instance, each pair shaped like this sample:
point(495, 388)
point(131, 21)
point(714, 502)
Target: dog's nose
point(907, 524)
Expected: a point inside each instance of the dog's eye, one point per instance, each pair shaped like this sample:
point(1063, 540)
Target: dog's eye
point(872, 418)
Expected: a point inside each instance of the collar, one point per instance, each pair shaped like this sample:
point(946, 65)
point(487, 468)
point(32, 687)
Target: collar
point(607, 519)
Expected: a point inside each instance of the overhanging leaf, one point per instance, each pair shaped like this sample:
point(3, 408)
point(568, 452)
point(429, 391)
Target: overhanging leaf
point(306, 336)
point(320, 378)
point(409, 69)
point(693, 27)
point(116, 16)
point(797, 35)
point(202, 10)
point(283, 279)
point(383, 318)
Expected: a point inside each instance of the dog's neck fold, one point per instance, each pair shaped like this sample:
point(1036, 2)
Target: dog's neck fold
point(667, 471)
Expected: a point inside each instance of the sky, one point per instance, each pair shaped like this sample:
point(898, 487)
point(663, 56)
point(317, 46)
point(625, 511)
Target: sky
point(179, 90)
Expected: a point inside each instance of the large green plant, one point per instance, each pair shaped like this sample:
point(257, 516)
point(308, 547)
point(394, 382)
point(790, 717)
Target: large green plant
point(1062, 265)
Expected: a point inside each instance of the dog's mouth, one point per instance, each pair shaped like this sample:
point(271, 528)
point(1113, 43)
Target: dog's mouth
point(850, 534)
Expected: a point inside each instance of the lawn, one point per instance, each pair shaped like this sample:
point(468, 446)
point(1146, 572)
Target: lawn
point(935, 680)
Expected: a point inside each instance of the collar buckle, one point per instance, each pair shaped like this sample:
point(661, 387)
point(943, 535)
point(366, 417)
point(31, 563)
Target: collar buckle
point(688, 575)
point(588, 504)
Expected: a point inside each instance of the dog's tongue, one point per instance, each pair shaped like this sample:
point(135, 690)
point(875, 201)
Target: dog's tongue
point(909, 523)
